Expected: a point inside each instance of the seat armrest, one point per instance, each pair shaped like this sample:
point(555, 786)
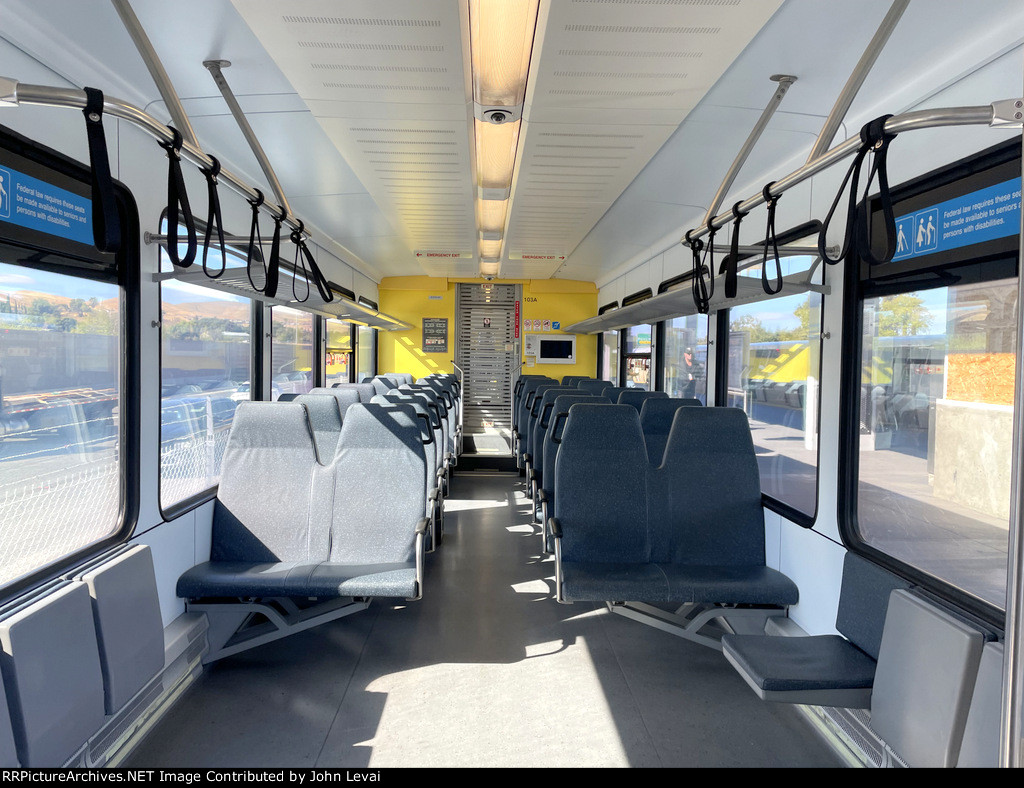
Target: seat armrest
point(421, 531)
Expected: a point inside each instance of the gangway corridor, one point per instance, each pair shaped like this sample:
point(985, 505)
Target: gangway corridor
point(485, 671)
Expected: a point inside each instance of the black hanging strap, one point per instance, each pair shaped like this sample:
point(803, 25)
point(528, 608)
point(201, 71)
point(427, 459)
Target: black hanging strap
point(255, 242)
point(872, 137)
point(213, 216)
point(304, 260)
point(731, 266)
point(274, 265)
point(178, 197)
point(696, 246)
point(704, 270)
point(106, 226)
point(879, 167)
point(771, 236)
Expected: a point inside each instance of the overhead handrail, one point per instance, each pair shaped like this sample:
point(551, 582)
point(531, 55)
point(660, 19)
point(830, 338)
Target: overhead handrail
point(999, 114)
point(14, 93)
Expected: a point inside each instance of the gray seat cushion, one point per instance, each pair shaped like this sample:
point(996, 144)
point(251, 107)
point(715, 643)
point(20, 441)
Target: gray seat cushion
point(293, 579)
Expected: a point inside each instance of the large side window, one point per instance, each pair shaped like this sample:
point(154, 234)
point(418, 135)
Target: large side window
point(366, 352)
point(930, 396)
point(610, 356)
point(60, 389)
point(205, 358)
point(68, 368)
point(774, 357)
point(292, 352)
point(936, 423)
point(638, 356)
point(339, 351)
point(686, 357)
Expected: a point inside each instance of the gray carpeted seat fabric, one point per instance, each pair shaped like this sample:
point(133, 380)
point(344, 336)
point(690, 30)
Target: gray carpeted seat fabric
point(351, 528)
point(364, 391)
point(613, 392)
point(344, 396)
point(325, 421)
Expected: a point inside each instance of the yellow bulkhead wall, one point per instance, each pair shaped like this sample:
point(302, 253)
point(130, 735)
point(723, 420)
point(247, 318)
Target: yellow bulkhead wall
point(412, 298)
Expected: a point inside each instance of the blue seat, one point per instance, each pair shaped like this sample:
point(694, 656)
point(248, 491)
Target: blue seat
point(829, 670)
point(552, 440)
point(637, 397)
point(593, 386)
point(656, 417)
point(690, 532)
point(540, 418)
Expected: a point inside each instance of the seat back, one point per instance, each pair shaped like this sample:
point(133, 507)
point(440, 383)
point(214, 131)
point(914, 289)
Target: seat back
point(325, 421)
point(553, 434)
point(544, 404)
point(263, 505)
point(365, 391)
point(864, 602)
point(531, 413)
point(381, 384)
point(379, 488)
point(593, 386)
point(431, 433)
point(345, 397)
point(613, 392)
point(705, 499)
point(601, 486)
point(525, 401)
point(656, 417)
point(637, 397)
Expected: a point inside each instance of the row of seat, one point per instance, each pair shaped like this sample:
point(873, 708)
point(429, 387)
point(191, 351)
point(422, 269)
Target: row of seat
point(324, 502)
point(658, 514)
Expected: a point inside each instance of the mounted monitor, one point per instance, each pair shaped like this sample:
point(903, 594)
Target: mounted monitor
point(558, 349)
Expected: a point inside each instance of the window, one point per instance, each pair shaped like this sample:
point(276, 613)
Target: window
point(774, 357)
point(205, 358)
point(60, 431)
point(686, 357)
point(930, 393)
point(610, 356)
point(339, 351)
point(292, 352)
point(936, 426)
point(366, 352)
point(637, 358)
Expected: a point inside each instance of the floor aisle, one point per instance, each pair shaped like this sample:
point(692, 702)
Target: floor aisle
point(485, 671)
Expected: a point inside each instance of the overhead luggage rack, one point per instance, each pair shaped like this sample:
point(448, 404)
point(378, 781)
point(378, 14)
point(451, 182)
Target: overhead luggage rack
point(679, 302)
point(236, 282)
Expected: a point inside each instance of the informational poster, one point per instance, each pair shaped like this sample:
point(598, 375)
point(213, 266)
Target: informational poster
point(435, 335)
point(37, 205)
point(982, 215)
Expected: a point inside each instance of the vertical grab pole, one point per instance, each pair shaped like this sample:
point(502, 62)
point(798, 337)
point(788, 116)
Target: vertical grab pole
point(1010, 727)
point(853, 84)
point(784, 80)
point(216, 67)
point(179, 119)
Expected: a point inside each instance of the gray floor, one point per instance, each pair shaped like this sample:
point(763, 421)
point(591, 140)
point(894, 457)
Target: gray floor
point(485, 671)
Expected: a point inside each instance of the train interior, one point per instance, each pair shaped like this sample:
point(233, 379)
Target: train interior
point(510, 383)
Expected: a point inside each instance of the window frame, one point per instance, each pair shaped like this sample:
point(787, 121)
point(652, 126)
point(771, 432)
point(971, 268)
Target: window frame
point(992, 260)
point(256, 377)
point(127, 278)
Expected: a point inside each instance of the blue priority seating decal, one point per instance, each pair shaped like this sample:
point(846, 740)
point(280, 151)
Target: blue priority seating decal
point(37, 205)
point(983, 215)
